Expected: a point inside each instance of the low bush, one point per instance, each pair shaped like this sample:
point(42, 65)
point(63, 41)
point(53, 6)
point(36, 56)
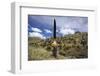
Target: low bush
point(38, 54)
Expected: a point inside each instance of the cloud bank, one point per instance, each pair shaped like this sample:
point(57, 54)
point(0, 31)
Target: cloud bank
point(36, 29)
point(36, 34)
point(66, 31)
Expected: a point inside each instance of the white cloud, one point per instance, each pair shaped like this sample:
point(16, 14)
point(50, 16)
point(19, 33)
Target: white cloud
point(36, 29)
point(36, 34)
point(65, 31)
point(47, 31)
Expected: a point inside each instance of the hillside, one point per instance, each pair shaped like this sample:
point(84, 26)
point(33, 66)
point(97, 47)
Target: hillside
point(69, 47)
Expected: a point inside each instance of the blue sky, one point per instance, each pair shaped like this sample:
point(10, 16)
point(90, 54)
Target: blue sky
point(42, 26)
